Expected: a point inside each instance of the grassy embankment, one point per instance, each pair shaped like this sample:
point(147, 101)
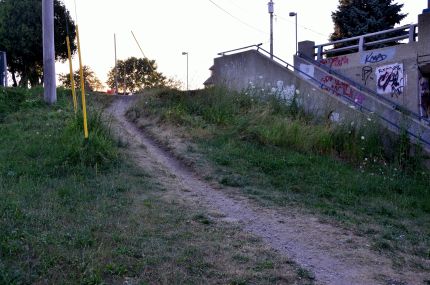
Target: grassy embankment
point(361, 177)
point(78, 213)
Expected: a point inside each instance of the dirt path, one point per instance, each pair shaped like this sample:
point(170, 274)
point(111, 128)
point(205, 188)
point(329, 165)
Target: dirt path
point(334, 255)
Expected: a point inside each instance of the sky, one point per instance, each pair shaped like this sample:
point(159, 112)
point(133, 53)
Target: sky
point(202, 28)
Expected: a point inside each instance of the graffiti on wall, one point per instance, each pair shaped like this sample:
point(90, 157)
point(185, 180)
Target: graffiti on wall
point(376, 57)
point(390, 79)
point(337, 61)
point(286, 93)
point(366, 74)
point(340, 88)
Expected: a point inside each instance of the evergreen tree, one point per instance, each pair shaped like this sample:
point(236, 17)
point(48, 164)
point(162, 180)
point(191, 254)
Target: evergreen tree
point(358, 17)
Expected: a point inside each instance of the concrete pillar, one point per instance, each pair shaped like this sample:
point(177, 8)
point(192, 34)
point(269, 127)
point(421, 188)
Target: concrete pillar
point(307, 48)
point(428, 7)
point(424, 34)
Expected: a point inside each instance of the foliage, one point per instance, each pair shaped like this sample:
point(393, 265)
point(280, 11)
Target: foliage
point(135, 74)
point(69, 215)
point(358, 17)
point(358, 174)
point(92, 83)
point(21, 38)
point(270, 121)
point(13, 99)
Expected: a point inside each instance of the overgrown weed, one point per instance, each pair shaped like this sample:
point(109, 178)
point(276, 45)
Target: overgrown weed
point(355, 172)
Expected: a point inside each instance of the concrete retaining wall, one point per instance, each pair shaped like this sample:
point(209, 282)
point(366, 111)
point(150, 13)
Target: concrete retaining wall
point(251, 71)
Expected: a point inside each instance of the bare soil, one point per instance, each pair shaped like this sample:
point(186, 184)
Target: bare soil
point(333, 254)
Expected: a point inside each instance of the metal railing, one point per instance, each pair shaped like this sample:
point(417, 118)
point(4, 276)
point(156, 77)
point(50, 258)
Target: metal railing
point(423, 58)
point(361, 87)
point(322, 85)
point(365, 42)
point(240, 49)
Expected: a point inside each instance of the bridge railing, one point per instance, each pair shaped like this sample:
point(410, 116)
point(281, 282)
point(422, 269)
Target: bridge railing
point(240, 49)
point(368, 41)
point(358, 106)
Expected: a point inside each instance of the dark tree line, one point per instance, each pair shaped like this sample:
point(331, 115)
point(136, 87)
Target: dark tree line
point(21, 38)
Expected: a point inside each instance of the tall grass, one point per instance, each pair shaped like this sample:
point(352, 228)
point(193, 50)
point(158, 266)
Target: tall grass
point(355, 172)
point(73, 212)
point(271, 121)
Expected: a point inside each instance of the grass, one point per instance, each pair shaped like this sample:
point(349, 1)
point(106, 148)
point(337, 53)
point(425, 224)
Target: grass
point(76, 212)
point(355, 174)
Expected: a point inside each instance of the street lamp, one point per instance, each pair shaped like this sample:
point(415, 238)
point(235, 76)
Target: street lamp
point(294, 14)
point(186, 53)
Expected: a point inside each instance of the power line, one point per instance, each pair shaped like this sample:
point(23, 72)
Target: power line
point(259, 30)
point(302, 26)
point(236, 18)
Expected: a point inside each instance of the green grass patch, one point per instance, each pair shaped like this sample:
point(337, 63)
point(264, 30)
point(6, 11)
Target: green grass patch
point(358, 174)
point(76, 212)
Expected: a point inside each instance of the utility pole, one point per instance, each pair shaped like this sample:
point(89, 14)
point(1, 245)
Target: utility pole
point(294, 14)
point(186, 53)
point(125, 81)
point(271, 10)
point(116, 68)
point(50, 92)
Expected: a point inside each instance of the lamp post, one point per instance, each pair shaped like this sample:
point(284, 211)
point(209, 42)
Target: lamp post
point(186, 53)
point(294, 14)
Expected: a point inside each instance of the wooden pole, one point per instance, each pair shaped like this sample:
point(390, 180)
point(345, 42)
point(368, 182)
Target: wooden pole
point(50, 92)
point(116, 68)
point(72, 77)
point(81, 73)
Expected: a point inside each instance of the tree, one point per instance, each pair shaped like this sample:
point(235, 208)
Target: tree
point(358, 17)
point(91, 82)
point(135, 74)
point(21, 38)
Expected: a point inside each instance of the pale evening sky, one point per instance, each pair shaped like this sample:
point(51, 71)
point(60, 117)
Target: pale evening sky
point(166, 28)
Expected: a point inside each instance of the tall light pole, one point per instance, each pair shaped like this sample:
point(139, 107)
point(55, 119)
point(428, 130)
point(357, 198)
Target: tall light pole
point(271, 11)
point(186, 53)
point(294, 14)
point(50, 92)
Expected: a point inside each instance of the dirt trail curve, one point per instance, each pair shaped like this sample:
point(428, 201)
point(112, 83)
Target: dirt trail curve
point(334, 255)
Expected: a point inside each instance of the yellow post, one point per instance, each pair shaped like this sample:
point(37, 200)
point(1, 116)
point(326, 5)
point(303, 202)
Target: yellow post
point(81, 73)
point(72, 79)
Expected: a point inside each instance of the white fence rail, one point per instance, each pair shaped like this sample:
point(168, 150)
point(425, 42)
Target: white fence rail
point(365, 42)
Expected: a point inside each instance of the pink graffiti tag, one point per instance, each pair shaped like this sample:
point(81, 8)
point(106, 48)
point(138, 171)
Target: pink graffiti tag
point(337, 61)
point(340, 88)
point(336, 86)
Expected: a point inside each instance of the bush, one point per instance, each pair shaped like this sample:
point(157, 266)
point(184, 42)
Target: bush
point(97, 151)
